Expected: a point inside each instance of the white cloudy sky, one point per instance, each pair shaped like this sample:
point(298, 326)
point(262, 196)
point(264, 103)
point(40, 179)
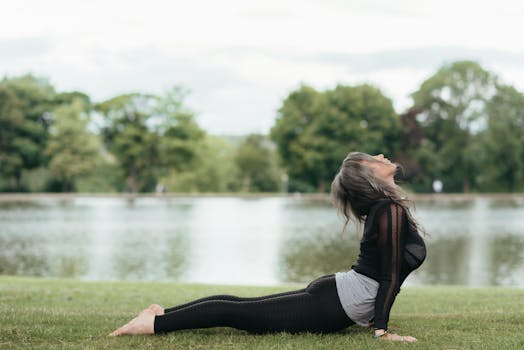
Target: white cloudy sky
point(241, 58)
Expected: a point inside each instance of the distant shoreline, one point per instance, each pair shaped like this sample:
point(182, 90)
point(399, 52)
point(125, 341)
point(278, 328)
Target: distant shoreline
point(15, 197)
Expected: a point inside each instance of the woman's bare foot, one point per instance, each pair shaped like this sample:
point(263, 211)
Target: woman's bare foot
point(157, 309)
point(144, 323)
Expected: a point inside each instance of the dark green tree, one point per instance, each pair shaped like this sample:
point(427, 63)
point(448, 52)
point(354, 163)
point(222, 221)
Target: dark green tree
point(314, 131)
point(504, 140)
point(294, 117)
point(452, 106)
point(415, 152)
point(25, 106)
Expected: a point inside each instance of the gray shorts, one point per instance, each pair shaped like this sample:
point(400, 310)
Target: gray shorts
point(357, 295)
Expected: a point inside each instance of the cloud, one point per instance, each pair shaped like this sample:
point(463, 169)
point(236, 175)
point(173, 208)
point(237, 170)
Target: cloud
point(24, 48)
point(224, 100)
point(241, 59)
point(237, 89)
point(412, 58)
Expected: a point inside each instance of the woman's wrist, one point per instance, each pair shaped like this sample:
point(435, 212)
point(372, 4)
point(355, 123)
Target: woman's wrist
point(379, 332)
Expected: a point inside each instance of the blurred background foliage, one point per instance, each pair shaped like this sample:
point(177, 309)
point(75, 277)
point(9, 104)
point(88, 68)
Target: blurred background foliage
point(465, 127)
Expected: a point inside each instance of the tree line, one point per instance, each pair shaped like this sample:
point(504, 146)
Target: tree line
point(465, 128)
point(52, 141)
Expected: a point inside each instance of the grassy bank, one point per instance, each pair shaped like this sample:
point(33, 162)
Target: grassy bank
point(58, 314)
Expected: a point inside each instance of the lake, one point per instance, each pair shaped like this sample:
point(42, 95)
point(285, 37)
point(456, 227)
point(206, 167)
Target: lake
point(250, 240)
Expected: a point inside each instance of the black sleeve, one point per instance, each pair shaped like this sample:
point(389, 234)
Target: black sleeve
point(391, 226)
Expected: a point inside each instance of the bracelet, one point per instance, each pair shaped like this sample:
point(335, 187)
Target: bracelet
point(380, 335)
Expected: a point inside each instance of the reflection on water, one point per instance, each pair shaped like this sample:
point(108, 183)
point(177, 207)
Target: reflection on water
point(18, 256)
point(304, 259)
point(446, 261)
point(233, 240)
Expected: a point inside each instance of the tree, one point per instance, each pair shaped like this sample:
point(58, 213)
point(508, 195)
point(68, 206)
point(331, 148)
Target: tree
point(453, 111)
point(294, 117)
point(179, 134)
point(73, 150)
point(213, 169)
point(256, 159)
point(127, 136)
point(25, 104)
point(504, 139)
point(149, 135)
point(11, 121)
point(314, 131)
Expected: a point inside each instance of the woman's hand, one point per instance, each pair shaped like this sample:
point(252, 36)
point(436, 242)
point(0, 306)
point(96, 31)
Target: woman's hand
point(382, 334)
point(396, 337)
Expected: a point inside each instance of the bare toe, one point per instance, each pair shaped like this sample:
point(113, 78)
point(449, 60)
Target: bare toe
point(157, 309)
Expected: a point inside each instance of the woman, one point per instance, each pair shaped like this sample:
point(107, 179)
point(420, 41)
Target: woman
point(364, 190)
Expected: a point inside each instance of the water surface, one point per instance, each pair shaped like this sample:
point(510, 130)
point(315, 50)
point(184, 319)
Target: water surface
point(257, 241)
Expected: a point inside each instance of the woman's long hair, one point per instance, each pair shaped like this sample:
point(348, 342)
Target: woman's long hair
point(355, 189)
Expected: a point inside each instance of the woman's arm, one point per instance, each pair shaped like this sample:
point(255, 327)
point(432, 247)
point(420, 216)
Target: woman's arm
point(390, 242)
point(392, 224)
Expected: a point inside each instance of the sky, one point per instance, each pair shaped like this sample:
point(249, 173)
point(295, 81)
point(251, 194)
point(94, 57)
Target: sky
point(239, 59)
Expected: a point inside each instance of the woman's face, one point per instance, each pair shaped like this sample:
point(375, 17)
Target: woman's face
point(383, 169)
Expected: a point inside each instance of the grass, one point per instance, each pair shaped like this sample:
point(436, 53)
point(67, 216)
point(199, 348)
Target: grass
point(69, 314)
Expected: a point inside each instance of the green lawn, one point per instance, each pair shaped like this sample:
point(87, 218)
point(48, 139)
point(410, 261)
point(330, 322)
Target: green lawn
point(61, 313)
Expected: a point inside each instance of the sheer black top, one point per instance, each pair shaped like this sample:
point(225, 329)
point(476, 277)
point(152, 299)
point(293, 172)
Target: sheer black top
point(389, 252)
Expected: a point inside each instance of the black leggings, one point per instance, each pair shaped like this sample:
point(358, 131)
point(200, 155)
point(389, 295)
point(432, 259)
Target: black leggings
point(314, 309)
